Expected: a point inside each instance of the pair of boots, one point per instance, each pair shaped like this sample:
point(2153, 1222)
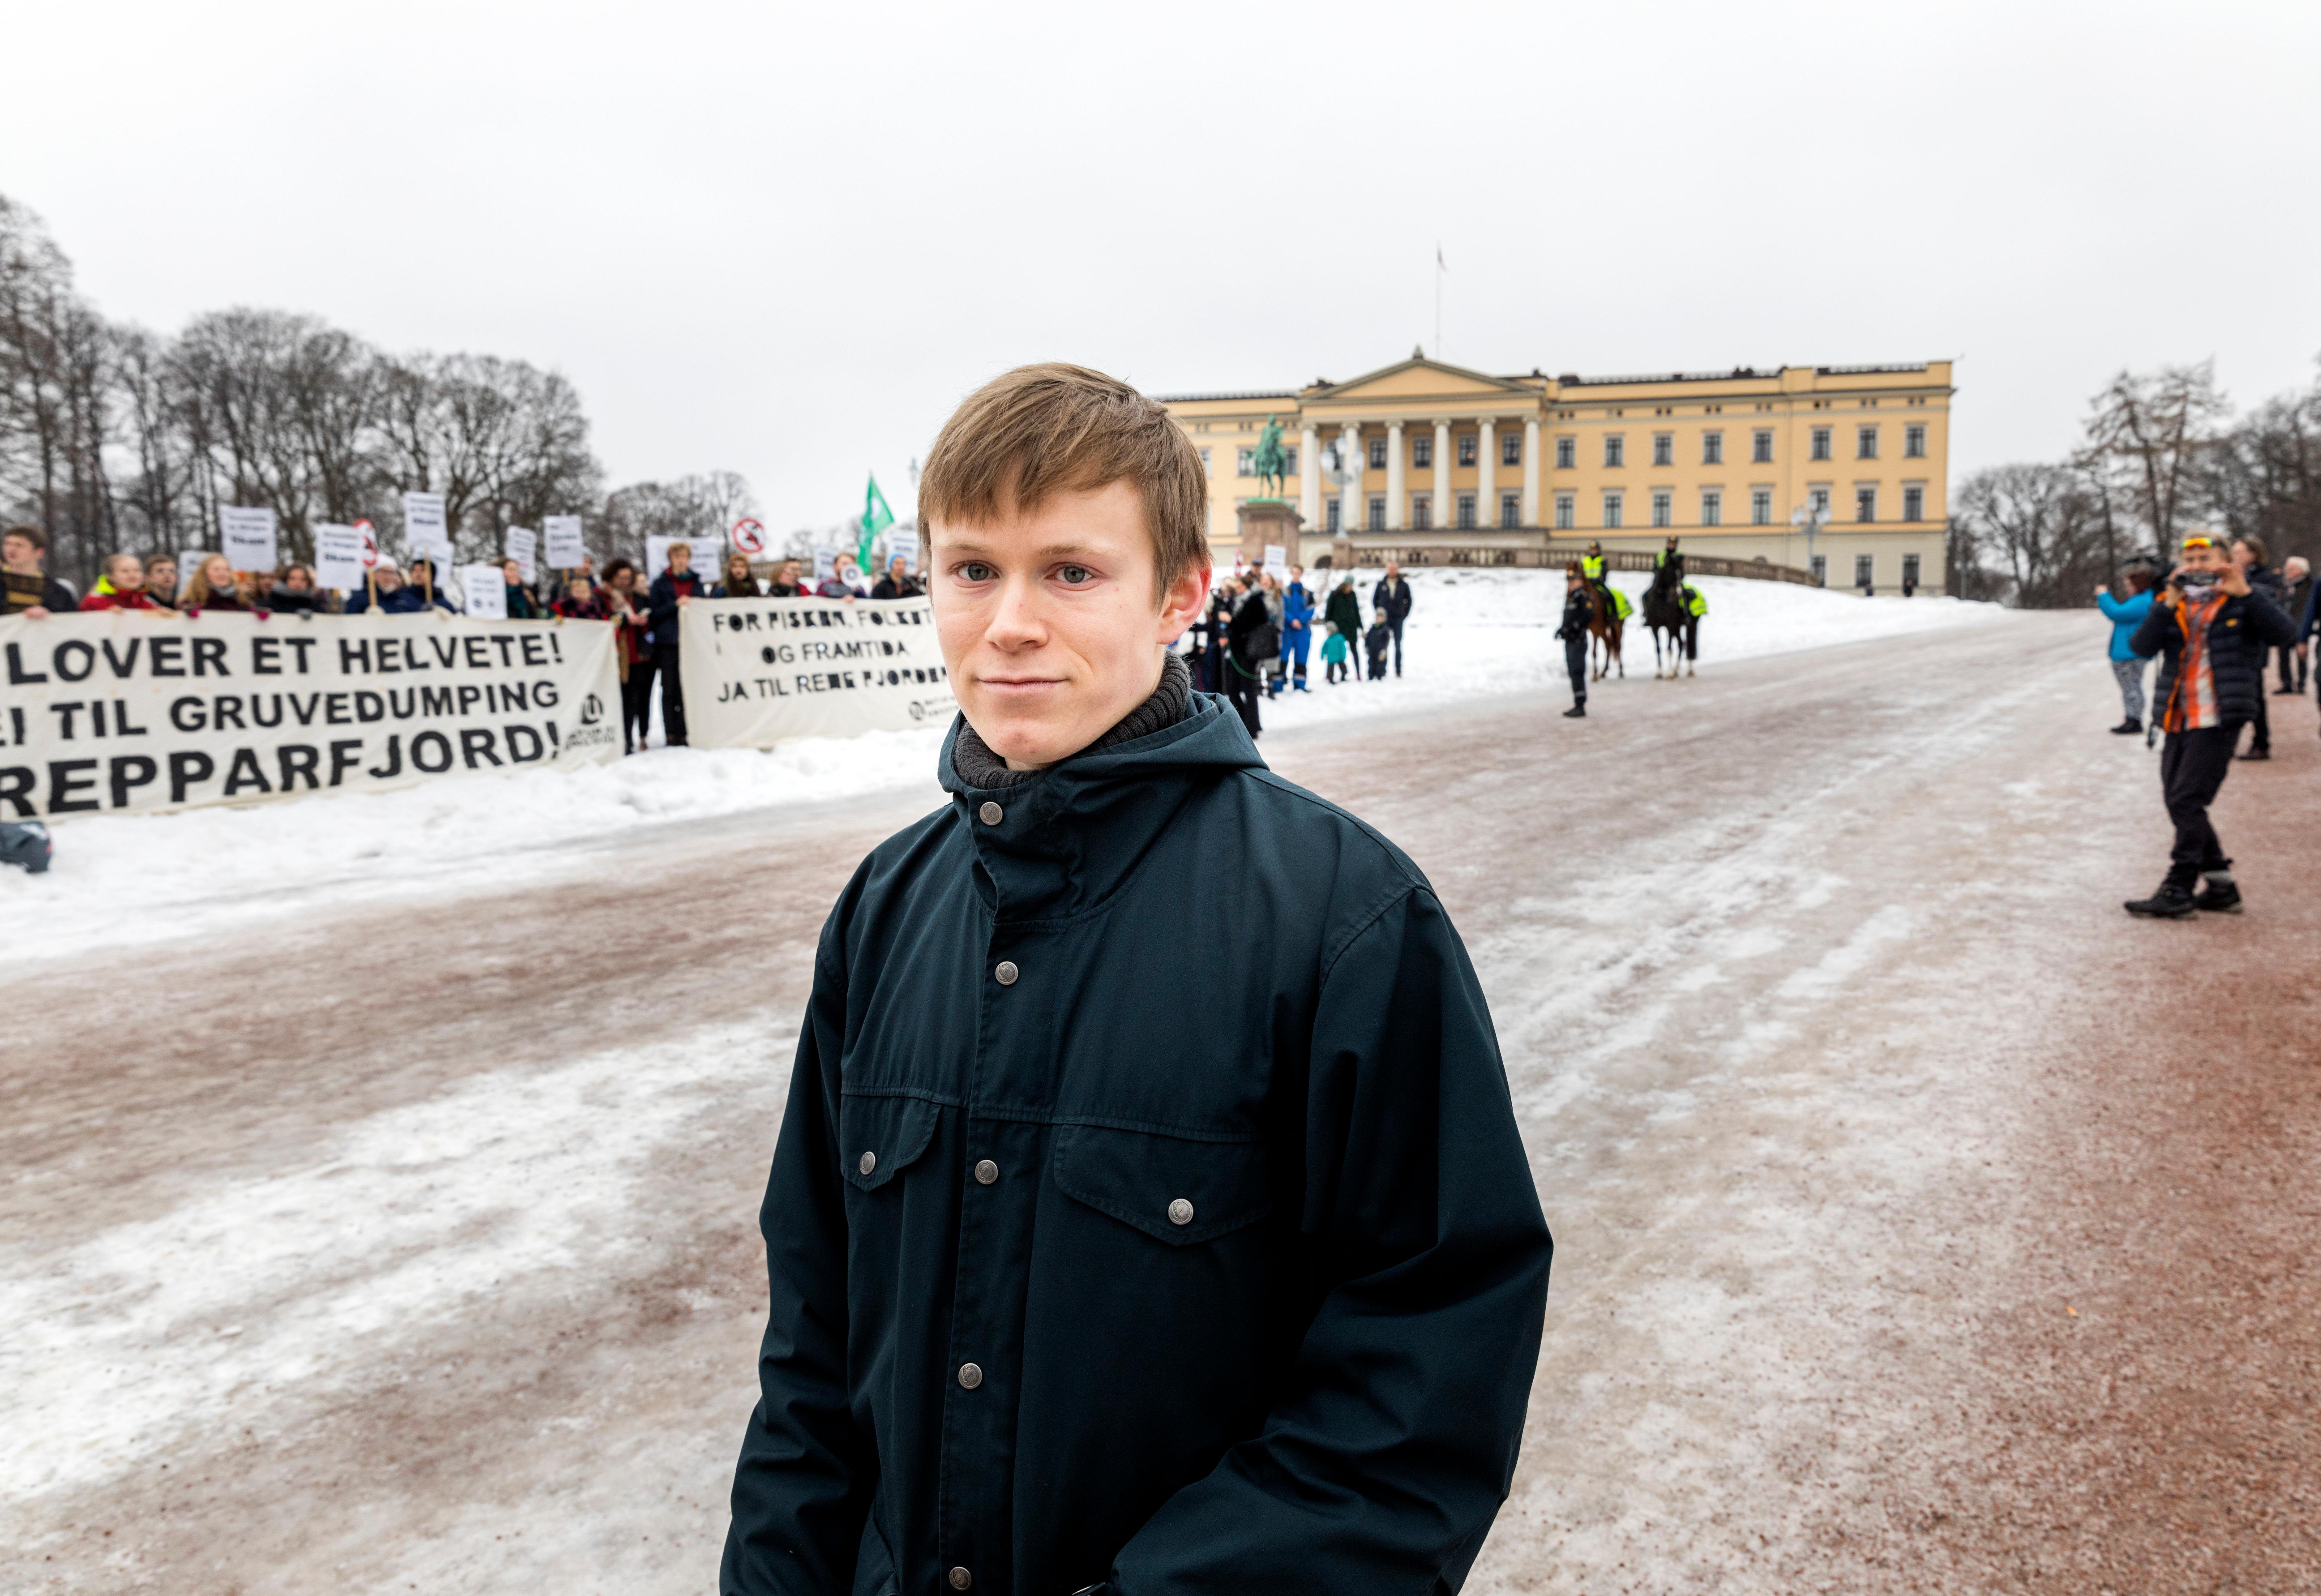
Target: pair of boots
point(2219, 895)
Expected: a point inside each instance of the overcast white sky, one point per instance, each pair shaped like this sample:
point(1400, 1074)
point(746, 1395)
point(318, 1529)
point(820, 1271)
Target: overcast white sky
point(785, 240)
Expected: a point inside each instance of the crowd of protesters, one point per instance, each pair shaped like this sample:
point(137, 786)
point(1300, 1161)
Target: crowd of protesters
point(1256, 640)
point(2219, 617)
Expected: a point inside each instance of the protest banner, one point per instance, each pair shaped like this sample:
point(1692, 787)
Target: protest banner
point(246, 536)
point(760, 671)
point(424, 529)
point(523, 546)
point(566, 549)
point(825, 561)
point(338, 558)
point(139, 710)
point(483, 591)
point(1277, 559)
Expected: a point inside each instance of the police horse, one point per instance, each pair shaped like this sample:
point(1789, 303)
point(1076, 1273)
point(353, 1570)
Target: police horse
point(1668, 608)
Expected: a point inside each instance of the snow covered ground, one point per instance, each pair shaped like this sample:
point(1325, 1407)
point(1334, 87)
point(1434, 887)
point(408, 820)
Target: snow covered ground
point(139, 878)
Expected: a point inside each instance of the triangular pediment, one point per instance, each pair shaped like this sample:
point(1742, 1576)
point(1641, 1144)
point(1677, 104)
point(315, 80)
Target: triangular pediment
point(1418, 377)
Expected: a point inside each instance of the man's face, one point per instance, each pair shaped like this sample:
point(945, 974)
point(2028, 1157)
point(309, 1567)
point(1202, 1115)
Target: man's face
point(1050, 621)
point(2206, 558)
point(680, 560)
point(387, 577)
point(161, 576)
point(18, 553)
point(1393, 571)
point(1296, 573)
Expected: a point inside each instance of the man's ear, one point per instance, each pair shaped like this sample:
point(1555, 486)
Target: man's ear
point(1181, 605)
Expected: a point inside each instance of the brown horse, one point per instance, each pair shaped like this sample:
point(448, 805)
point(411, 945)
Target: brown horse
point(1603, 626)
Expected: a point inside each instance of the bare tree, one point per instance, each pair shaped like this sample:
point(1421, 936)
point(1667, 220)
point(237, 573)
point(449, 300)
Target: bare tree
point(2265, 475)
point(2146, 440)
point(2041, 523)
point(703, 506)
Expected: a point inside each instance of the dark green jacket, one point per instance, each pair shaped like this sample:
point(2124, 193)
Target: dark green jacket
point(1164, 1095)
point(1344, 611)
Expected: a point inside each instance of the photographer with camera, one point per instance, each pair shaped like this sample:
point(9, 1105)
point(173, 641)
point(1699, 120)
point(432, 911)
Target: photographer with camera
point(2212, 631)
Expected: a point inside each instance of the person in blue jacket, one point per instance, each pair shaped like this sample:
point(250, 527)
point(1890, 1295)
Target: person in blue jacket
point(2126, 614)
point(1103, 1261)
point(1297, 628)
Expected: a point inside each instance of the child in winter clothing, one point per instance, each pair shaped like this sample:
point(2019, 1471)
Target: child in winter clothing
point(1334, 657)
point(1375, 641)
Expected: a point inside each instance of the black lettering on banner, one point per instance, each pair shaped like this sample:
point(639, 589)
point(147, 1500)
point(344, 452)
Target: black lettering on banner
point(387, 663)
point(64, 782)
point(299, 645)
point(186, 766)
point(334, 710)
point(556, 647)
point(64, 712)
point(469, 694)
point(369, 706)
point(123, 667)
point(346, 754)
point(95, 717)
point(554, 740)
point(476, 741)
point(167, 649)
point(120, 726)
point(534, 655)
point(245, 772)
point(258, 719)
point(516, 755)
point(180, 709)
point(15, 784)
point(307, 716)
point(209, 654)
point(265, 656)
point(394, 759)
point(352, 650)
point(479, 656)
point(299, 759)
point(546, 695)
point(225, 710)
point(506, 644)
point(404, 703)
point(433, 702)
point(64, 673)
point(17, 675)
point(447, 651)
point(513, 696)
point(131, 771)
point(442, 747)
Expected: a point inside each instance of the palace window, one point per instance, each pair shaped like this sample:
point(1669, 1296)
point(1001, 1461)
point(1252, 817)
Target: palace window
point(1820, 443)
point(1865, 442)
point(1466, 448)
point(1205, 462)
point(1761, 451)
point(1865, 570)
point(1333, 509)
point(1245, 463)
point(1511, 449)
point(1289, 460)
point(1377, 512)
point(1711, 449)
point(1466, 512)
point(1664, 449)
point(1821, 570)
point(1660, 506)
point(1760, 506)
point(1615, 450)
point(1909, 571)
point(1511, 509)
point(1865, 504)
point(1565, 450)
point(1567, 514)
point(1913, 440)
point(1914, 503)
point(1422, 451)
point(1712, 507)
point(1422, 512)
point(1818, 500)
point(1611, 509)
point(1377, 453)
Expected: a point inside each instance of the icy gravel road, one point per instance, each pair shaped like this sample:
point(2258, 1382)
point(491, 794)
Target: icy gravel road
point(1923, 1223)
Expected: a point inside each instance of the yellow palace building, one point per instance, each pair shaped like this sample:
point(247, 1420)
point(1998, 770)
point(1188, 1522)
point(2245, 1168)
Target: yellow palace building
point(1839, 470)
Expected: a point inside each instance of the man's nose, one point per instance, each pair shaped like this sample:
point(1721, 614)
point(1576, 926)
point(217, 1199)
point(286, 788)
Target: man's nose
point(1016, 621)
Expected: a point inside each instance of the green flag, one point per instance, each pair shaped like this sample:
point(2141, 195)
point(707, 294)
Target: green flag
point(875, 518)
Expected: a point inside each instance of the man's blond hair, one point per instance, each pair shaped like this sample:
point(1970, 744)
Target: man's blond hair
point(1041, 430)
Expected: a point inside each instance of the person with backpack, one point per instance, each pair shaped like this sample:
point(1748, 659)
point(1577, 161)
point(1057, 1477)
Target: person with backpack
point(2211, 629)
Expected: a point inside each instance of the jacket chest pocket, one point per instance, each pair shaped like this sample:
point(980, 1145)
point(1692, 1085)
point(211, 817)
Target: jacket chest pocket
point(880, 1137)
point(1173, 1189)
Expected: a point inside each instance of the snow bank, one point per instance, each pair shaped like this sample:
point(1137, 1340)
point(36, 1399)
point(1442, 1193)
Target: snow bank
point(127, 879)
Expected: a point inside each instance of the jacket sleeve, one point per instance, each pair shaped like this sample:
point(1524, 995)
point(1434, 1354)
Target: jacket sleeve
point(662, 597)
point(2155, 632)
point(2114, 610)
point(802, 1489)
point(1394, 1438)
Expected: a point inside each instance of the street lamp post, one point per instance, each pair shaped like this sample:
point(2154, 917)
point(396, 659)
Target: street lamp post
point(1810, 518)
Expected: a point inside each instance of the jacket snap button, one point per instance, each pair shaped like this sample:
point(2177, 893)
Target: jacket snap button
point(960, 1579)
point(1181, 1212)
point(992, 813)
point(970, 1375)
point(1006, 973)
point(985, 1173)
point(869, 1162)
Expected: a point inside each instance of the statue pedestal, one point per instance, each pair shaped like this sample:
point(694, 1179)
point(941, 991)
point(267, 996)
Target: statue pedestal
point(1267, 521)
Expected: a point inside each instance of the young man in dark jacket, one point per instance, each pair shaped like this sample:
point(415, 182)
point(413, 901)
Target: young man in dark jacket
point(678, 586)
point(1103, 1258)
point(2212, 630)
point(1392, 594)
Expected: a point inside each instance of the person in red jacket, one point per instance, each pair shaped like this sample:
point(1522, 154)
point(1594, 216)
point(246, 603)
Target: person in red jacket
point(122, 587)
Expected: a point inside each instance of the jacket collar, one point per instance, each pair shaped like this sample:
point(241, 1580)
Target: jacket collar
point(1066, 839)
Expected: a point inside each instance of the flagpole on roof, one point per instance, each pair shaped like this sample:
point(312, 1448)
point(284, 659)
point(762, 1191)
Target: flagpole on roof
point(1439, 269)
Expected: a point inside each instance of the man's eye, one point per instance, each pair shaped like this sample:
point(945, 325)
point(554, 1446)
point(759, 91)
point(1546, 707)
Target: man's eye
point(1077, 574)
point(975, 571)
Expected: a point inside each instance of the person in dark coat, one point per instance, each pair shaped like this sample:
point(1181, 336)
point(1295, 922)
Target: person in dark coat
point(1251, 639)
point(294, 593)
point(678, 586)
point(1344, 610)
point(25, 589)
point(2296, 579)
point(1392, 594)
point(1572, 633)
point(1376, 642)
point(786, 583)
point(898, 582)
point(2248, 553)
point(2211, 629)
point(1104, 1261)
point(633, 633)
point(523, 604)
point(740, 582)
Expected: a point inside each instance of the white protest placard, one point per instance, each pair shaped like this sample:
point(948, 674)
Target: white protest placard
point(483, 591)
point(905, 544)
point(246, 536)
point(1277, 559)
point(230, 708)
point(521, 545)
point(825, 561)
point(338, 558)
point(566, 551)
point(424, 529)
point(765, 670)
point(749, 536)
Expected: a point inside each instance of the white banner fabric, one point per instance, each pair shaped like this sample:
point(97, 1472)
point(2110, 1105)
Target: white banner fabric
point(138, 710)
point(246, 537)
point(338, 558)
point(424, 529)
point(760, 670)
point(523, 546)
point(566, 548)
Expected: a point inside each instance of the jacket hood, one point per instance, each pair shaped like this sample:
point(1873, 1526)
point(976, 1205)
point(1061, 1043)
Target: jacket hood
point(1067, 838)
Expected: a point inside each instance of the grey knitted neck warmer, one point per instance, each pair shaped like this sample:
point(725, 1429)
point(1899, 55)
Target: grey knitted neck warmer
point(980, 768)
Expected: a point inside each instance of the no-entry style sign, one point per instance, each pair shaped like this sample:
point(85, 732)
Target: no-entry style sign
point(750, 537)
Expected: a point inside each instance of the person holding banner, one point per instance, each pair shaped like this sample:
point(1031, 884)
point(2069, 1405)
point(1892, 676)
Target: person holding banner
point(216, 586)
point(27, 590)
point(520, 604)
point(161, 580)
point(122, 587)
point(1104, 1258)
point(787, 581)
point(678, 586)
point(421, 591)
point(624, 607)
point(294, 593)
point(844, 581)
